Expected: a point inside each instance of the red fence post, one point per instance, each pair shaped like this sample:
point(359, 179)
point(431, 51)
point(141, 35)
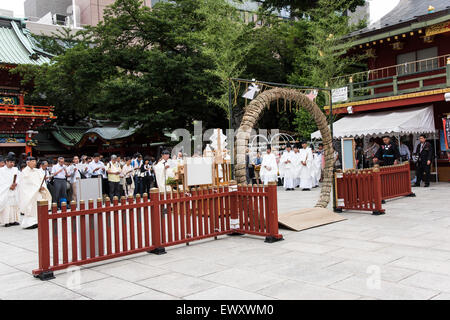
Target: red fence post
point(339, 193)
point(377, 191)
point(234, 212)
point(155, 216)
point(408, 175)
point(272, 218)
point(43, 272)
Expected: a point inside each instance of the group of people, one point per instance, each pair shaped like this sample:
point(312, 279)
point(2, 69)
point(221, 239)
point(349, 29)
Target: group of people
point(20, 191)
point(22, 184)
point(389, 153)
point(297, 167)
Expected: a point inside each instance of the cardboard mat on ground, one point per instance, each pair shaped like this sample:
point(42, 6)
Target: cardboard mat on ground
point(303, 219)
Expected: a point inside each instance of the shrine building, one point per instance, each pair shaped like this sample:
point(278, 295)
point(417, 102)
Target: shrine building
point(18, 122)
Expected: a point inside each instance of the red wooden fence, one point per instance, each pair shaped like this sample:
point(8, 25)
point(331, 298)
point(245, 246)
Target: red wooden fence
point(365, 190)
point(395, 181)
point(76, 237)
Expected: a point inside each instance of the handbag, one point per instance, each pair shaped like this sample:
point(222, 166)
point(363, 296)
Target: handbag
point(129, 180)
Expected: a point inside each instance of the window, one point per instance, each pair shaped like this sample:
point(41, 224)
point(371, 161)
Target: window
point(404, 61)
point(417, 61)
point(427, 54)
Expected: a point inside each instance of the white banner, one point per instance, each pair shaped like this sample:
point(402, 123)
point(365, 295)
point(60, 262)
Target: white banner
point(339, 94)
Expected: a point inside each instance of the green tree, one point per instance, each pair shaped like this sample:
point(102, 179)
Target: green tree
point(143, 67)
point(227, 41)
point(300, 7)
point(324, 53)
point(58, 42)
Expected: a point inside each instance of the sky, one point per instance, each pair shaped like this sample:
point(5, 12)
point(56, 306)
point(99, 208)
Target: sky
point(14, 5)
point(378, 8)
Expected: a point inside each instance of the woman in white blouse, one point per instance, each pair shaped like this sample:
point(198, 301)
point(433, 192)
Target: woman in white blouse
point(127, 174)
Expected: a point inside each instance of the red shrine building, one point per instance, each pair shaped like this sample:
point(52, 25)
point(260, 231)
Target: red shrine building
point(408, 68)
point(18, 122)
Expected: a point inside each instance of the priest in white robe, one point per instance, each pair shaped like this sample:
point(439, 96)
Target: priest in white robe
point(165, 168)
point(269, 167)
point(9, 196)
point(32, 189)
point(316, 171)
point(306, 159)
point(297, 164)
point(287, 169)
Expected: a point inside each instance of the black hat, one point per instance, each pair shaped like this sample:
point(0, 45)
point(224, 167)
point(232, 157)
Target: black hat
point(165, 152)
point(269, 147)
point(10, 157)
point(288, 145)
point(96, 155)
point(303, 142)
point(31, 158)
point(1, 159)
point(296, 146)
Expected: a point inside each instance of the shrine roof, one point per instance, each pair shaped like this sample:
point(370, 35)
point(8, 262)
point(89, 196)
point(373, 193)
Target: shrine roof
point(407, 13)
point(17, 46)
point(70, 136)
point(112, 133)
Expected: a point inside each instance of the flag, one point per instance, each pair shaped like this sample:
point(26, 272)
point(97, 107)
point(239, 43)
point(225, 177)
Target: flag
point(312, 95)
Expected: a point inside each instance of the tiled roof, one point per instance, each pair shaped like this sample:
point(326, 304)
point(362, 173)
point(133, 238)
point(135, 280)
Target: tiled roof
point(406, 11)
point(70, 136)
point(112, 133)
point(17, 46)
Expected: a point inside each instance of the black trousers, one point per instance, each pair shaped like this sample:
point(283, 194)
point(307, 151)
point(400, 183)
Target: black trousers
point(146, 184)
point(60, 187)
point(114, 189)
point(423, 168)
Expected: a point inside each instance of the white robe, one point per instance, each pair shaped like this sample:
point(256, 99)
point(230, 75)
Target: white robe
point(297, 167)
point(30, 194)
point(287, 170)
point(9, 199)
point(162, 173)
point(269, 168)
point(316, 171)
point(305, 171)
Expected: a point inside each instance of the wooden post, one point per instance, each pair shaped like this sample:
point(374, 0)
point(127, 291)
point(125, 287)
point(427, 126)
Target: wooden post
point(338, 190)
point(43, 272)
point(234, 213)
point(377, 191)
point(411, 194)
point(272, 218)
point(350, 88)
point(448, 71)
point(155, 215)
point(394, 84)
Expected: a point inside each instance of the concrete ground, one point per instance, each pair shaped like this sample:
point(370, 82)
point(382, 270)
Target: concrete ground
point(404, 254)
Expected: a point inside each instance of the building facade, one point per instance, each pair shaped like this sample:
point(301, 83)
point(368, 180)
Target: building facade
point(408, 66)
point(18, 122)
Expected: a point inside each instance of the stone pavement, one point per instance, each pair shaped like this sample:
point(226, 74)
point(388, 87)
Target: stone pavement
point(404, 254)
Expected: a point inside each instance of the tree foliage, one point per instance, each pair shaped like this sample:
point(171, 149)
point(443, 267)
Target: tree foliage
point(300, 7)
point(323, 53)
point(162, 68)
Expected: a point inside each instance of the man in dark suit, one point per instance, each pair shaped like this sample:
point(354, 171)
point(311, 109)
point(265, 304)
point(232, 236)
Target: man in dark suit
point(249, 171)
point(423, 164)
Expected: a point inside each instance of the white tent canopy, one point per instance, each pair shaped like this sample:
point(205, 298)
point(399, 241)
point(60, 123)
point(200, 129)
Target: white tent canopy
point(406, 121)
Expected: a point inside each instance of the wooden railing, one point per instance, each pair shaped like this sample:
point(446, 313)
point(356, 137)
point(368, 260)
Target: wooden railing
point(25, 110)
point(427, 74)
point(365, 190)
point(149, 224)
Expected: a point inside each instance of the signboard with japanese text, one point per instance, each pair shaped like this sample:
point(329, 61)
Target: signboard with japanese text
point(339, 94)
